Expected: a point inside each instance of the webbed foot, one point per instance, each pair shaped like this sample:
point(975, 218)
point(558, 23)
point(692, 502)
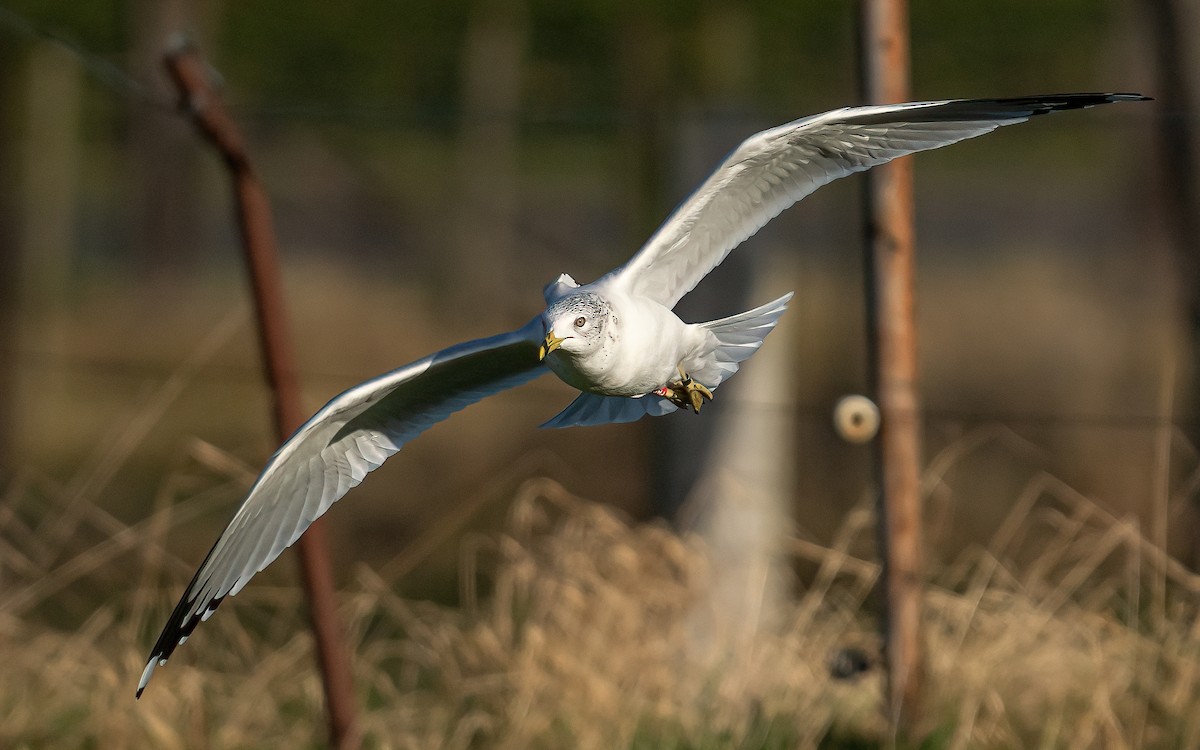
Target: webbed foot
point(685, 392)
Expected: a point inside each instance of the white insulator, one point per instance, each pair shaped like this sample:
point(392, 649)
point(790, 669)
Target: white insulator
point(856, 418)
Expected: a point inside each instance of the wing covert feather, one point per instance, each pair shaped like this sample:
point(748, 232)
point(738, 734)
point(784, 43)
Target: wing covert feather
point(776, 168)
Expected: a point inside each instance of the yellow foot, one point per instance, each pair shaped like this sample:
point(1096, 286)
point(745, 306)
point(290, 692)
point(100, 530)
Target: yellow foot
point(685, 392)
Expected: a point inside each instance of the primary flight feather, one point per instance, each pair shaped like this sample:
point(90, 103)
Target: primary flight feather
point(615, 339)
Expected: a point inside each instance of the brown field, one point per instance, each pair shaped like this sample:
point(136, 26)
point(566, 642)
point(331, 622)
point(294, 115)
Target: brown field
point(575, 627)
point(1052, 621)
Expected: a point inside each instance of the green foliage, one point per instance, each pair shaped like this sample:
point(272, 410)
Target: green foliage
point(381, 52)
point(1008, 47)
point(299, 57)
point(100, 26)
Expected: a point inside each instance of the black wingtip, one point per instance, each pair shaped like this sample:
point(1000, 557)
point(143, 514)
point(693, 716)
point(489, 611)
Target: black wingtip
point(177, 630)
point(1043, 104)
point(155, 659)
point(999, 110)
point(179, 625)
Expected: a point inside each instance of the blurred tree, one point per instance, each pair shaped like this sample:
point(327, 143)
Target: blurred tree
point(315, 60)
point(738, 494)
point(50, 176)
point(161, 147)
point(1174, 27)
point(9, 259)
point(722, 40)
point(643, 58)
point(1007, 47)
point(742, 501)
point(487, 200)
point(41, 115)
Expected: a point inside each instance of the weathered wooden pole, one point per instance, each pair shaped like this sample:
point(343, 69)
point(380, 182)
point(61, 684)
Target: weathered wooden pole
point(1172, 25)
point(893, 361)
point(10, 264)
point(208, 112)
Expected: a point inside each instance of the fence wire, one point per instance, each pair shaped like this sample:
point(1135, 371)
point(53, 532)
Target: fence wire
point(120, 82)
point(99, 69)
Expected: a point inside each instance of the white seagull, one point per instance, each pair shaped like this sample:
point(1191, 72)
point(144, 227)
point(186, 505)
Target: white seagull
point(615, 339)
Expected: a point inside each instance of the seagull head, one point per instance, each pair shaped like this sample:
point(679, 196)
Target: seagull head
point(574, 324)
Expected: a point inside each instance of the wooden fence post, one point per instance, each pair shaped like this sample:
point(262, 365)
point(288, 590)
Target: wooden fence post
point(208, 112)
point(893, 362)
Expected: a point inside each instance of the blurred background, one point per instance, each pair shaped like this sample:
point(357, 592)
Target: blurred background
point(433, 164)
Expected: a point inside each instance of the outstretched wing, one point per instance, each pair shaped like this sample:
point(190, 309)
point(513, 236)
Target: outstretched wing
point(774, 169)
point(332, 452)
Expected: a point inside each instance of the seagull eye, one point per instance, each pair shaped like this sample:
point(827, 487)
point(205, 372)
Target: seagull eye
point(580, 321)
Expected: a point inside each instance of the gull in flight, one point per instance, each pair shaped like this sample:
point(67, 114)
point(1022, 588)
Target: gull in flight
point(615, 339)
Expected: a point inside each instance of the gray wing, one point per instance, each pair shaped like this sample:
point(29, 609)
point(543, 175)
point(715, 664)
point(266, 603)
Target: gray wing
point(332, 452)
point(774, 169)
point(593, 409)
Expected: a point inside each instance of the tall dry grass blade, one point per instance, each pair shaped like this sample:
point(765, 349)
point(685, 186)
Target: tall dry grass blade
point(976, 591)
point(270, 668)
point(23, 512)
point(1152, 554)
point(1068, 527)
point(857, 522)
point(114, 449)
point(863, 569)
point(937, 491)
point(1100, 549)
point(237, 478)
point(580, 643)
point(1018, 516)
point(1185, 494)
point(443, 528)
point(221, 462)
point(1160, 491)
point(1180, 438)
point(468, 567)
point(109, 525)
point(88, 561)
point(940, 465)
point(153, 560)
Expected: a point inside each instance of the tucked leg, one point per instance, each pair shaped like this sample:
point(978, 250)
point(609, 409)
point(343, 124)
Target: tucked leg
point(685, 392)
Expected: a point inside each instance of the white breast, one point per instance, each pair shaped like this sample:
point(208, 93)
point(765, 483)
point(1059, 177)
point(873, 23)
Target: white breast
point(643, 346)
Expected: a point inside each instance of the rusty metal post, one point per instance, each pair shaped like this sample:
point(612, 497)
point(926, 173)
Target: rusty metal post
point(208, 112)
point(893, 360)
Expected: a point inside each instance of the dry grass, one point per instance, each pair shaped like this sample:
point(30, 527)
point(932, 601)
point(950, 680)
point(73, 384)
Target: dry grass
point(578, 629)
